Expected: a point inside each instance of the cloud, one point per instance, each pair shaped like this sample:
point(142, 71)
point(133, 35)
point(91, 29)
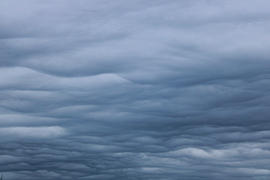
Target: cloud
point(32, 132)
point(134, 89)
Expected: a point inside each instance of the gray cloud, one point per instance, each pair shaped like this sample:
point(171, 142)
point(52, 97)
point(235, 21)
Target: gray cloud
point(134, 89)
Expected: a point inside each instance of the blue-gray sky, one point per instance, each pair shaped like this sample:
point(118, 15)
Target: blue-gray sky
point(135, 89)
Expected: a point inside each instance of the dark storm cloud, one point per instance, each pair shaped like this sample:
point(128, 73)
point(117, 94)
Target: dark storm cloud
point(134, 89)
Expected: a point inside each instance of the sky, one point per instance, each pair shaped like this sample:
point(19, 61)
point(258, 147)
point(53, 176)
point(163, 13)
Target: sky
point(135, 89)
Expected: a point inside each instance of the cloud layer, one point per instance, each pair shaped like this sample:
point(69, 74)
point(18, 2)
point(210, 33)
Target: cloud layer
point(134, 89)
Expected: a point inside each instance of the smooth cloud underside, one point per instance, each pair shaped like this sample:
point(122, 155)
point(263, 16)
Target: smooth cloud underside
point(134, 89)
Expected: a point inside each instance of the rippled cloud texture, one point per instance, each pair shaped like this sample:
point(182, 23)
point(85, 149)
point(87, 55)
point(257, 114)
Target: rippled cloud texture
point(135, 89)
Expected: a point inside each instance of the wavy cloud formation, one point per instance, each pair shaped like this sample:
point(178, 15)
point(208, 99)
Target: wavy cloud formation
point(134, 89)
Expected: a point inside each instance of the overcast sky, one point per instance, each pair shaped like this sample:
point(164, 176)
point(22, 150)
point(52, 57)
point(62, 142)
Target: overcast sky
point(135, 89)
